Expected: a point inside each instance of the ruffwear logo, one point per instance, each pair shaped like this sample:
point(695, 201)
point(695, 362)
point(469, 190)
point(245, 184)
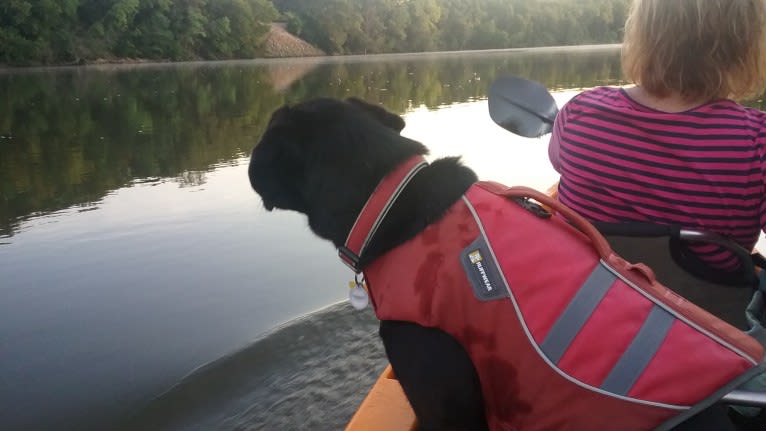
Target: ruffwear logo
point(482, 272)
point(476, 260)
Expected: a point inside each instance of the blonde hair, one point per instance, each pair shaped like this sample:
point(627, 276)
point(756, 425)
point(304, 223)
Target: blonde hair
point(697, 49)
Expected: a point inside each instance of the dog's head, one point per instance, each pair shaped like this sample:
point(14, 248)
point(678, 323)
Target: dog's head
point(323, 157)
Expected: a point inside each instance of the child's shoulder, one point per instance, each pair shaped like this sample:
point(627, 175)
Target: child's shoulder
point(601, 92)
point(755, 115)
point(598, 98)
point(740, 117)
point(726, 107)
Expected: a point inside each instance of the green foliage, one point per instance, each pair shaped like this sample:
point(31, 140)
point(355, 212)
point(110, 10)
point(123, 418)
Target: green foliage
point(75, 31)
point(39, 29)
point(376, 26)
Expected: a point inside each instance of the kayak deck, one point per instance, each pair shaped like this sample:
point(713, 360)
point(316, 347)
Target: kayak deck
point(385, 408)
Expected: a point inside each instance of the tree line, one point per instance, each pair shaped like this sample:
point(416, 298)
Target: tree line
point(78, 31)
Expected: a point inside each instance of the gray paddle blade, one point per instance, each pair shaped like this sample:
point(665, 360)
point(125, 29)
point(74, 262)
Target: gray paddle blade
point(521, 106)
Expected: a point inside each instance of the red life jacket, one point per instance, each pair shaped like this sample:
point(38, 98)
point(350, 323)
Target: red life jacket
point(564, 334)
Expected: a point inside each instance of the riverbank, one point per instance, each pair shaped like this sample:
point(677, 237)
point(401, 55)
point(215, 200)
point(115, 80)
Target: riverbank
point(318, 59)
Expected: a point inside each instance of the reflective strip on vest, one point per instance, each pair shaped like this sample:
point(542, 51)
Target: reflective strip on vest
point(638, 354)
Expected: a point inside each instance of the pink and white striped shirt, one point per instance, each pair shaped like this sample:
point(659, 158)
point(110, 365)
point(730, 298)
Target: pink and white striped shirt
point(704, 168)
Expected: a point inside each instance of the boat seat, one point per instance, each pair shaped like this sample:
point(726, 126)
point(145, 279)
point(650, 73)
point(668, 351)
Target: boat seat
point(657, 246)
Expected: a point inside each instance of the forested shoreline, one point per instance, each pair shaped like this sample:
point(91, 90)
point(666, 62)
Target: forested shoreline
point(49, 32)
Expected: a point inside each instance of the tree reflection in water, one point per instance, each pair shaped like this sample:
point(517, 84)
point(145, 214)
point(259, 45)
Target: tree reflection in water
point(70, 136)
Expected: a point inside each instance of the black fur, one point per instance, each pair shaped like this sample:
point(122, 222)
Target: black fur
point(323, 158)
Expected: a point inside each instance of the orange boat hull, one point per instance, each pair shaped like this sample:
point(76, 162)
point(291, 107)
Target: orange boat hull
point(385, 408)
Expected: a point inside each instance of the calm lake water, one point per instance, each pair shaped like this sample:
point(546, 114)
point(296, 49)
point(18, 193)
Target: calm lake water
point(133, 251)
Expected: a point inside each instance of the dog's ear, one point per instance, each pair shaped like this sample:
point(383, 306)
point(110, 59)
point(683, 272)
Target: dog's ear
point(388, 119)
point(279, 117)
point(286, 117)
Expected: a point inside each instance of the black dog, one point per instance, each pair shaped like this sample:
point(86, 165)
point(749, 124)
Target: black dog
point(324, 158)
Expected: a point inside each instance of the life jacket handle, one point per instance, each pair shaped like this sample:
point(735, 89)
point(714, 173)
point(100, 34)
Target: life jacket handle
point(596, 238)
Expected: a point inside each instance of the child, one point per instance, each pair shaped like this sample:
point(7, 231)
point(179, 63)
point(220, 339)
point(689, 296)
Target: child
point(674, 148)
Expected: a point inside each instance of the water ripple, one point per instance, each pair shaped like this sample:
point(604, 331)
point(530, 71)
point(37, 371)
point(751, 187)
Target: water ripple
point(309, 374)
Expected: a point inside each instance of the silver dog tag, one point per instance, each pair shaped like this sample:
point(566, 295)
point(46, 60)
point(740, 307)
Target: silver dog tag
point(357, 295)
